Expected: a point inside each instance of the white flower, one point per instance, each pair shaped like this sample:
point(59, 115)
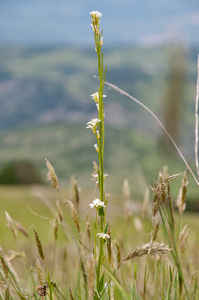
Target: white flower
point(96, 177)
point(95, 97)
point(103, 235)
point(101, 41)
point(92, 124)
point(97, 203)
point(96, 147)
point(95, 14)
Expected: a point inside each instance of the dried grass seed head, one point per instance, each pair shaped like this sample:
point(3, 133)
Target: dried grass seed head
point(75, 191)
point(39, 244)
point(13, 254)
point(155, 231)
point(126, 189)
point(109, 244)
point(59, 211)
point(160, 191)
point(22, 229)
point(74, 216)
point(51, 176)
point(182, 239)
point(152, 248)
point(40, 275)
point(118, 251)
point(184, 187)
point(179, 204)
point(11, 224)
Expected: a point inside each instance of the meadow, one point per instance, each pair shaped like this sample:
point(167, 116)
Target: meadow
point(114, 238)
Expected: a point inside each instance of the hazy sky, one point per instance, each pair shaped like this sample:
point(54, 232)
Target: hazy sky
point(123, 21)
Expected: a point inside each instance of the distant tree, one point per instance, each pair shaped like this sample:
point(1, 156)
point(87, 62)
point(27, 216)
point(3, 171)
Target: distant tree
point(20, 172)
point(173, 96)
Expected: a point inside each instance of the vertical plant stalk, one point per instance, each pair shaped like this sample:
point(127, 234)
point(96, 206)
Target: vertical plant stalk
point(196, 119)
point(95, 19)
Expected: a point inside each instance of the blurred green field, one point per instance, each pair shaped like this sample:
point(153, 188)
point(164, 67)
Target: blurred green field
point(135, 155)
point(33, 205)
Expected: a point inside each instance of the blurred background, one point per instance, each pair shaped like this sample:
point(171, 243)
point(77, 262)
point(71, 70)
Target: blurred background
point(47, 63)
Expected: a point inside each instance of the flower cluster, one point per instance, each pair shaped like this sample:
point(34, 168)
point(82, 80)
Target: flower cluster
point(95, 19)
point(103, 235)
point(97, 203)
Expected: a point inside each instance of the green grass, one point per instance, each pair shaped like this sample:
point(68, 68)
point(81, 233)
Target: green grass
point(16, 200)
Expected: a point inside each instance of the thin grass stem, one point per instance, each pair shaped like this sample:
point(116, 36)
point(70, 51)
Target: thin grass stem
point(196, 119)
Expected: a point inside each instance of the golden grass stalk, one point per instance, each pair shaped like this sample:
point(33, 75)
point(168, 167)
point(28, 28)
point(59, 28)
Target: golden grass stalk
point(74, 216)
point(184, 188)
point(59, 211)
point(180, 202)
point(39, 244)
point(51, 176)
point(56, 227)
point(13, 254)
point(88, 228)
point(155, 232)
point(127, 196)
point(182, 240)
point(118, 251)
point(40, 273)
point(11, 224)
point(192, 274)
point(75, 192)
point(171, 208)
point(196, 119)
point(181, 206)
point(110, 249)
point(22, 229)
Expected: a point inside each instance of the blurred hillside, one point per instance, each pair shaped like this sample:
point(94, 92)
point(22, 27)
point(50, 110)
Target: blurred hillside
point(45, 105)
point(53, 84)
